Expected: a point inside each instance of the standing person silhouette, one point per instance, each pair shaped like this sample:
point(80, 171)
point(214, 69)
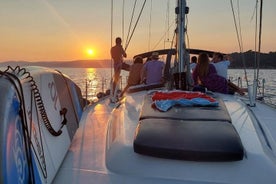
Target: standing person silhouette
point(117, 54)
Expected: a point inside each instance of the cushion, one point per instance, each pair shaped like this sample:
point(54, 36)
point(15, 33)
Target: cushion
point(188, 140)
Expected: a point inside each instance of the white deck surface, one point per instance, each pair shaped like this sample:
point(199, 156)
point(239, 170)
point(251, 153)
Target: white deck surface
point(98, 155)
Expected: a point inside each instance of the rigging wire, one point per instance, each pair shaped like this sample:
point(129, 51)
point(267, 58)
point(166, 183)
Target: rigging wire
point(128, 41)
point(235, 23)
point(239, 40)
point(173, 39)
point(255, 39)
point(123, 21)
point(150, 18)
point(111, 34)
point(260, 38)
point(162, 37)
point(130, 23)
point(239, 21)
point(166, 34)
point(167, 39)
point(187, 36)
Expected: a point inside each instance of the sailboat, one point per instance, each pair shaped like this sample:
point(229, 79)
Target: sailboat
point(131, 141)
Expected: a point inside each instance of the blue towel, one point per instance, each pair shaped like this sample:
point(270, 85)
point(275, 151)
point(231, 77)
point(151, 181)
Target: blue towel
point(164, 105)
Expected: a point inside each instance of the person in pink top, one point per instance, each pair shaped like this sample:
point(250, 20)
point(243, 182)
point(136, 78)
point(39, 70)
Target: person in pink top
point(152, 71)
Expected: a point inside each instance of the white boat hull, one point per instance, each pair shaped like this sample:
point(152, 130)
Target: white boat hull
point(23, 114)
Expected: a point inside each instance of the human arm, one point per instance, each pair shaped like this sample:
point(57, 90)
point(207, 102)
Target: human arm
point(124, 52)
point(143, 74)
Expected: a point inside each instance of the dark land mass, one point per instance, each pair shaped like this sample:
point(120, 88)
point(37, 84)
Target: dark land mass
point(238, 60)
point(56, 64)
point(247, 60)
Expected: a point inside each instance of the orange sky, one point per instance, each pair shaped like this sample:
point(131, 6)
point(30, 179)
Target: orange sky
point(50, 30)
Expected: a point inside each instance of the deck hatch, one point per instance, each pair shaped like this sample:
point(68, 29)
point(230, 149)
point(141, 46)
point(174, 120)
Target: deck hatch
point(188, 140)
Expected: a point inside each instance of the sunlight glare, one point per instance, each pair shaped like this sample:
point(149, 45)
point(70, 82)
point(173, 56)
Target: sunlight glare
point(90, 52)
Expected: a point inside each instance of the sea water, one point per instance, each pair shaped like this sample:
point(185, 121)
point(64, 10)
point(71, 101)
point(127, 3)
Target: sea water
point(95, 80)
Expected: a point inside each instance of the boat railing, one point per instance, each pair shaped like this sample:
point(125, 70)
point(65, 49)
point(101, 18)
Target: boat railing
point(94, 92)
point(261, 94)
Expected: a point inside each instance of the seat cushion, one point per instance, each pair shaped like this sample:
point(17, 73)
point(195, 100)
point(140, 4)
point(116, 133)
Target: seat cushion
point(188, 140)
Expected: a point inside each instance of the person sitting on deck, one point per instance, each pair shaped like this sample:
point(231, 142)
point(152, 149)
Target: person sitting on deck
point(205, 74)
point(152, 71)
point(193, 63)
point(134, 77)
point(221, 66)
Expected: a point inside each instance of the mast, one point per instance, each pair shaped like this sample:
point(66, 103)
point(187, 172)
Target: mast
point(181, 76)
point(181, 33)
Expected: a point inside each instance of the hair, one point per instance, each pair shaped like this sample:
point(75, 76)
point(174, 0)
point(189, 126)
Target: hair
point(203, 64)
point(148, 59)
point(219, 55)
point(118, 40)
point(138, 60)
point(194, 59)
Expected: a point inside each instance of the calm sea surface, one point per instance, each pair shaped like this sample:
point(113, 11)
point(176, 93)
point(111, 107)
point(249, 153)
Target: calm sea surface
point(94, 80)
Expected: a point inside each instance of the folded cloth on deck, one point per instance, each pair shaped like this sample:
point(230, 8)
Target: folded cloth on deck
point(165, 100)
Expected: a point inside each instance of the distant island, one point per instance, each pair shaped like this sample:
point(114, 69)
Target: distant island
point(65, 64)
point(267, 61)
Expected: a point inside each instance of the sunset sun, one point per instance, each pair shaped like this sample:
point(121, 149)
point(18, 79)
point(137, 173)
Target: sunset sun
point(90, 52)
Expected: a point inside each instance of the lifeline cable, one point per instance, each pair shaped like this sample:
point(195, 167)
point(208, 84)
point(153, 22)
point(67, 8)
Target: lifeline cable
point(39, 101)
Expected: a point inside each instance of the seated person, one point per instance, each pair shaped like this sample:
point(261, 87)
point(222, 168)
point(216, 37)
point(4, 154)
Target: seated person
point(152, 71)
point(221, 66)
point(205, 74)
point(193, 63)
point(134, 73)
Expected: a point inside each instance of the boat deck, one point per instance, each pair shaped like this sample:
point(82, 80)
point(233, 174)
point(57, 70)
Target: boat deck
point(85, 160)
point(102, 151)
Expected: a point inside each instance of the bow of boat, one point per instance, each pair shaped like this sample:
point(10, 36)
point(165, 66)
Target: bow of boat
point(102, 150)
